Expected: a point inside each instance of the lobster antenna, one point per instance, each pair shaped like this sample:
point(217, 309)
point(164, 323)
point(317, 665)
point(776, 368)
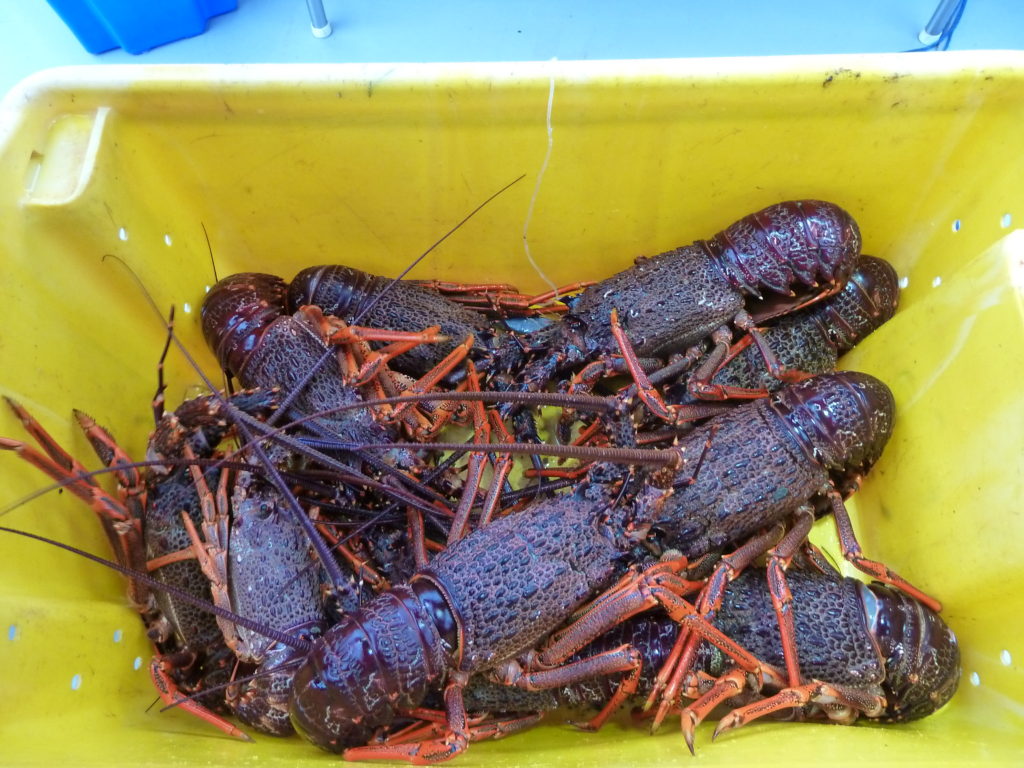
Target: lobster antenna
point(142, 286)
point(330, 564)
point(297, 643)
point(161, 386)
point(209, 249)
point(582, 402)
point(216, 279)
point(208, 463)
point(418, 259)
point(319, 364)
point(319, 457)
point(669, 457)
point(532, 490)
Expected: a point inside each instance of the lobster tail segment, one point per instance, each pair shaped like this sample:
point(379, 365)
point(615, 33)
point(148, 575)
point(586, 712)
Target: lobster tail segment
point(842, 419)
point(798, 244)
point(370, 667)
point(869, 299)
point(237, 311)
point(338, 290)
point(922, 657)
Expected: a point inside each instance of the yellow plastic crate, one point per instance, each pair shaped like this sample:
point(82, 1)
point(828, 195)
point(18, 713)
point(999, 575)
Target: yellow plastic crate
point(368, 165)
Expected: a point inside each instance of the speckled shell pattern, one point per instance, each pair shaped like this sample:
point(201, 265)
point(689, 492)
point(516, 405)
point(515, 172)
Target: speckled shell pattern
point(364, 299)
point(272, 572)
point(669, 302)
point(752, 474)
point(756, 464)
point(666, 303)
point(519, 578)
point(812, 339)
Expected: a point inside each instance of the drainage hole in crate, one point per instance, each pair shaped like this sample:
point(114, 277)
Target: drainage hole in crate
point(76, 682)
point(137, 664)
point(122, 233)
point(1006, 658)
point(904, 282)
point(975, 679)
point(956, 225)
point(186, 307)
point(167, 241)
point(12, 632)
point(118, 634)
point(1006, 221)
point(936, 281)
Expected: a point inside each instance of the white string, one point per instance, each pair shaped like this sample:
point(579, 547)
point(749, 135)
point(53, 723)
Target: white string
point(536, 191)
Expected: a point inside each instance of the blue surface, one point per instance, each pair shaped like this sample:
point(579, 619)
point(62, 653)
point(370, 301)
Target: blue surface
point(32, 36)
point(101, 25)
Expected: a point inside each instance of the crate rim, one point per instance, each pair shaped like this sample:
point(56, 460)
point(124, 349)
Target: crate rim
point(106, 76)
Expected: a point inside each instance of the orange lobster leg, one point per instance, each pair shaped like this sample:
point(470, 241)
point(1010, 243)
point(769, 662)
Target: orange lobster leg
point(565, 290)
point(645, 390)
point(680, 660)
point(815, 692)
point(454, 741)
point(172, 697)
point(852, 552)
point(123, 528)
point(701, 386)
point(480, 728)
point(475, 462)
point(625, 658)
point(502, 469)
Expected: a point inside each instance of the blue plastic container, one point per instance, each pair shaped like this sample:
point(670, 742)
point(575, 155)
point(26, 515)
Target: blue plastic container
point(101, 25)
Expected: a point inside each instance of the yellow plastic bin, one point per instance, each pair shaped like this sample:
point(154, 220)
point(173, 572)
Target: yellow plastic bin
point(368, 165)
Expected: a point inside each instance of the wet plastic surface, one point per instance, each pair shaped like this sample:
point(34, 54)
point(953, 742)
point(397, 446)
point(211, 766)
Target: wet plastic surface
point(289, 166)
